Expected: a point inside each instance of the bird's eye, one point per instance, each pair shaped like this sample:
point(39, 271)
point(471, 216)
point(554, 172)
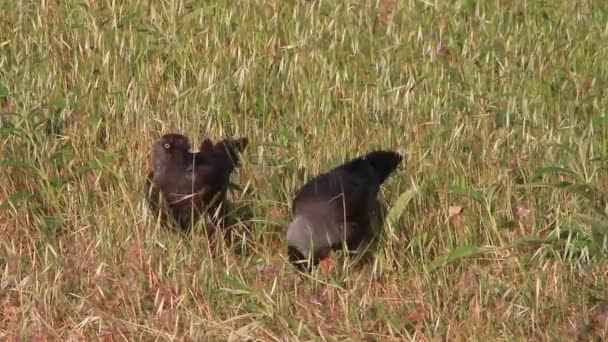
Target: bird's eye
point(167, 146)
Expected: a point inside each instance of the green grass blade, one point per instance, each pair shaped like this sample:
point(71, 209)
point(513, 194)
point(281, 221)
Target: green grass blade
point(456, 254)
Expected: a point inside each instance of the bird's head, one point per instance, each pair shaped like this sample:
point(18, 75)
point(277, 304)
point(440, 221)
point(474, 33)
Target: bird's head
point(169, 150)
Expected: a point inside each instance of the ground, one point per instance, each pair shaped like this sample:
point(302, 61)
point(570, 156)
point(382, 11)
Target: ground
point(497, 222)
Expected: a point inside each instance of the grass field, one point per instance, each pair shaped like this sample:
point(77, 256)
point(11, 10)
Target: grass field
point(498, 222)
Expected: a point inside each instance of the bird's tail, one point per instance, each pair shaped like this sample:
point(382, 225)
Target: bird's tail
point(232, 148)
point(383, 163)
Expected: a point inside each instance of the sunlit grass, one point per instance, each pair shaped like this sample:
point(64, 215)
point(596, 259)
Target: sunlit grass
point(498, 221)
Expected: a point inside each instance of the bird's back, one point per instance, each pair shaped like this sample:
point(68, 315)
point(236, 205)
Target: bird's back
point(347, 191)
point(334, 196)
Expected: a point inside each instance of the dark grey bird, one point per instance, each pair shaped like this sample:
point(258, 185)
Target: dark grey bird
point(336, 207)
point(190, 184)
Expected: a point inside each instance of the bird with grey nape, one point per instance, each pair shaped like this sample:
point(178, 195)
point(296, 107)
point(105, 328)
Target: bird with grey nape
point(190, 184)
point(335, 208)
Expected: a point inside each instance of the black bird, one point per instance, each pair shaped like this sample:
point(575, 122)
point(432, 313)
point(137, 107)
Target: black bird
point(336, 207)
point(191, 183)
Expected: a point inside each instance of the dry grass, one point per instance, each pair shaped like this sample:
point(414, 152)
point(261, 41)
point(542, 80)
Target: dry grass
point(498, 223)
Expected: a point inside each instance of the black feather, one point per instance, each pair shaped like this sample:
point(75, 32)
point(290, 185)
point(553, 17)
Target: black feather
point(192, 183)
point(336, 206)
